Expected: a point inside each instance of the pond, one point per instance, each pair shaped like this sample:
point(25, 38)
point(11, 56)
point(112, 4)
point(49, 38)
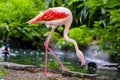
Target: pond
point(69, 59)
point(37, 58)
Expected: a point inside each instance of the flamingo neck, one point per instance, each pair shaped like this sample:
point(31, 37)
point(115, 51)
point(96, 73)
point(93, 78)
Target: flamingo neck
point(70, 40)
point(65, 34)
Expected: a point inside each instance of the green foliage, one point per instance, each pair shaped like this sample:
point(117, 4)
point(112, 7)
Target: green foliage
point(81, 34)
point(102, 16)
point(99, 20)
point(111, 39)
point(106, 26)
point(53, 64)
point(93, 11)
point(56, 3)
point(13, 17)
point(3, 71)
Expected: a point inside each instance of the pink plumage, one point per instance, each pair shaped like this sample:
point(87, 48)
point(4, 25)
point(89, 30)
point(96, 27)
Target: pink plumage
point(48, 15)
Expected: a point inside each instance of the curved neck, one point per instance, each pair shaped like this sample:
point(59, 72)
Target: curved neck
point(65, 34)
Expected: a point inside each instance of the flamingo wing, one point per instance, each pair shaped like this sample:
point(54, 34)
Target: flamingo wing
point(48, 15)
point(51, 14)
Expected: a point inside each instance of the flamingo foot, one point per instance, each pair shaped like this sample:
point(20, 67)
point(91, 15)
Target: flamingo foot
point(64, 68)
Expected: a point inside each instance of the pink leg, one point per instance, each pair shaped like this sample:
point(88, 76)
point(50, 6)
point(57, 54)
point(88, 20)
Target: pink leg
point(61, 65)
point(46, 55)
point(46, 59)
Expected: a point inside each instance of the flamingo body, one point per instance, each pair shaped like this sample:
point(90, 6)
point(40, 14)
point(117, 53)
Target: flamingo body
point(54, 17)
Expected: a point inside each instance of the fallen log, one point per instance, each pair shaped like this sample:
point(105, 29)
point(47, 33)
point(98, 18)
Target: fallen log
point(15, 66)
point(31, 68)
point(78, 74)
point(85, 76)
point(109, 66)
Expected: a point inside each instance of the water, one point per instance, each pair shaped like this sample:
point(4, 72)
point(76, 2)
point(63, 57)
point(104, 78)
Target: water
point(37, 58)
point(69, 59)
point(109, 73)
point(26, 56)
point(94, 54)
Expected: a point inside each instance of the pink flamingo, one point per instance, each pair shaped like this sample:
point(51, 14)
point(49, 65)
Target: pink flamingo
point(54, 17)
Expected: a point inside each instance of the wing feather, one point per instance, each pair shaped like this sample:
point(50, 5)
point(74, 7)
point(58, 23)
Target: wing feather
point(52, 14)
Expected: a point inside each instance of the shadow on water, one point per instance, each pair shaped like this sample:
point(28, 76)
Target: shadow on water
point(69, 59)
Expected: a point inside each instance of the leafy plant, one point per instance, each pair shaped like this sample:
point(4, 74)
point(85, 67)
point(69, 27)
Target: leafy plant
point(81, 34)
point(103, 19)
point(14, 15)
point(110, 40)
point(105, 28)
point(99, 20)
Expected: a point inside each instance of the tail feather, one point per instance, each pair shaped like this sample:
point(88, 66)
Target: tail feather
point(35, 19)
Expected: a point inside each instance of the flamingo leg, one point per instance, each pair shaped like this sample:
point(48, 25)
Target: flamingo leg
point(46, 50)
point(61, 65)
point(46, 58)
point(46, 55)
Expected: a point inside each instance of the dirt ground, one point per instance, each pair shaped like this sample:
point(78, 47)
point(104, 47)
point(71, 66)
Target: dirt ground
point(26, 75)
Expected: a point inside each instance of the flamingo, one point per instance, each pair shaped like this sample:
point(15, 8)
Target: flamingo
point(54, 17)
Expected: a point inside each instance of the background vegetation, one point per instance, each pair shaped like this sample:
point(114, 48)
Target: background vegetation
point(94, 20)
